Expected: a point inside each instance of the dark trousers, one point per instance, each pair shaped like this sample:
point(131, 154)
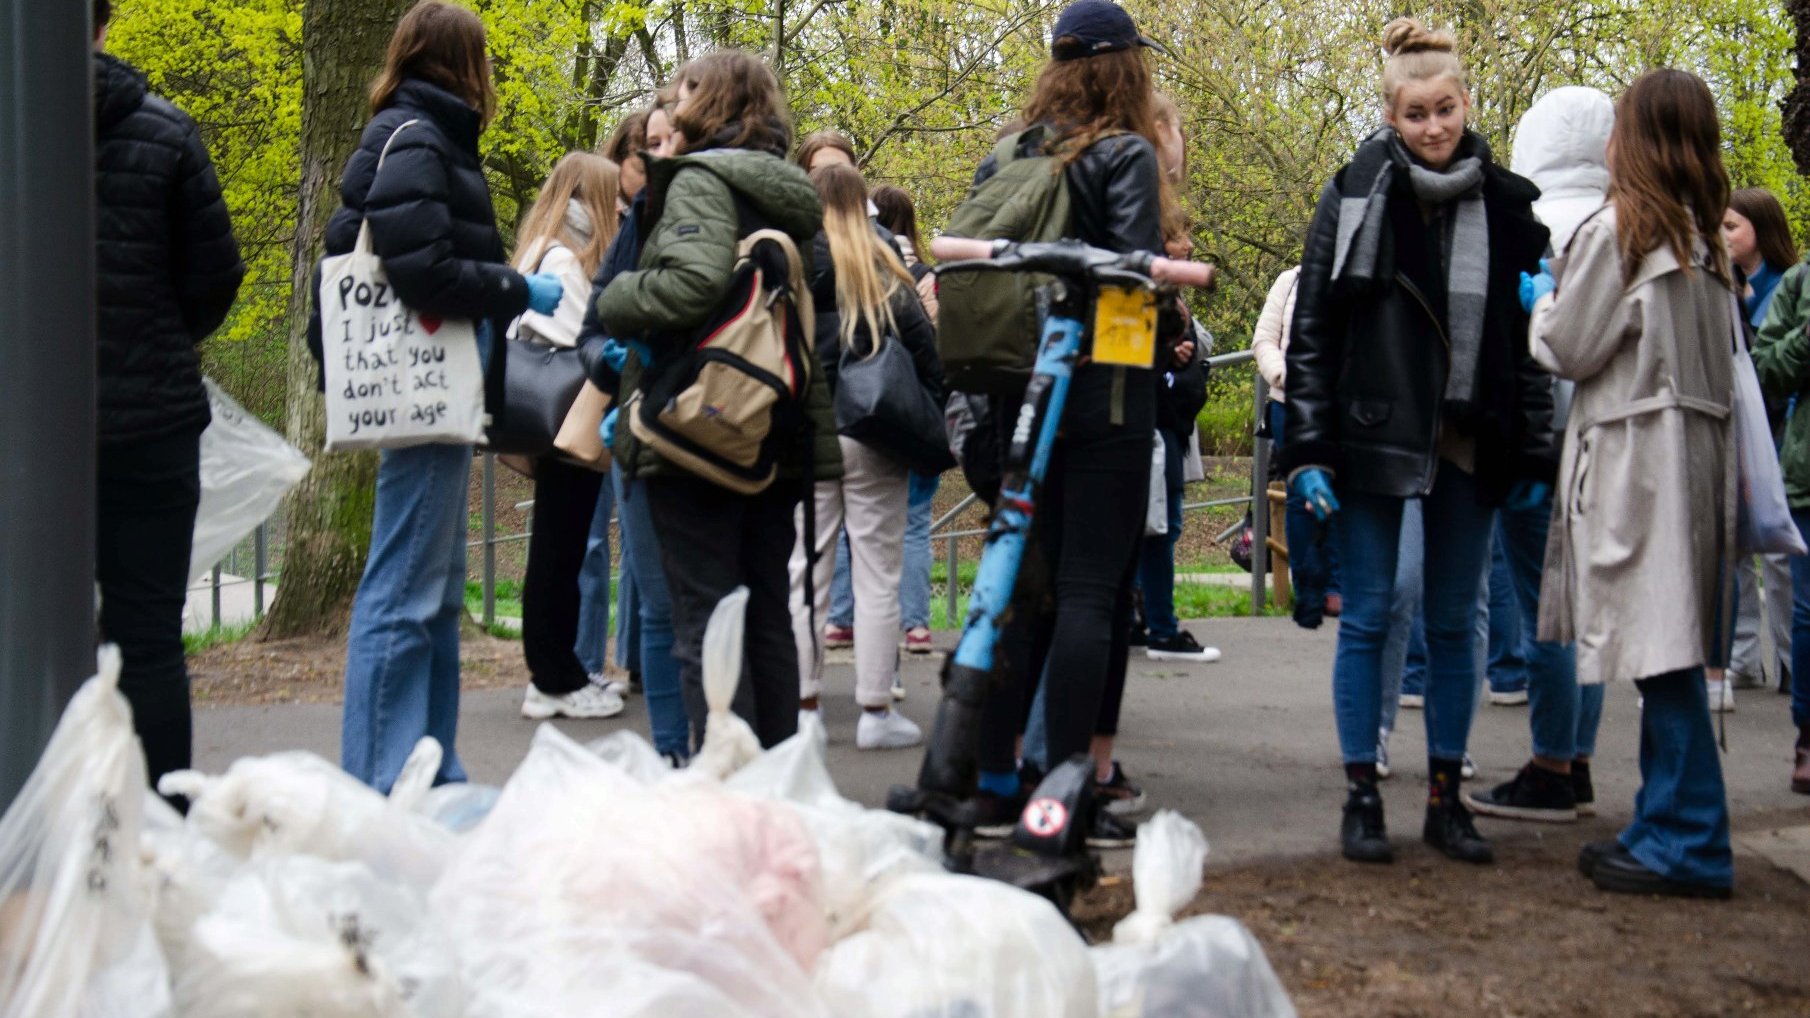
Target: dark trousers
point(711, 541)
point(144, 530)
point(565, 499)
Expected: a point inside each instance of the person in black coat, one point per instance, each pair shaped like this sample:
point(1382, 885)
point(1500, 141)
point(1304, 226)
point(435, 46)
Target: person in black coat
point(1409, 376)
point(432, 224)
point(168, 270)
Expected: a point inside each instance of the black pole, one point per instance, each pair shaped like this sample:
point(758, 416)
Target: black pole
point(47, 385)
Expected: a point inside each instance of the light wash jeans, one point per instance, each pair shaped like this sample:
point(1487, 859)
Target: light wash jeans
point(914, 580)
point(666, 718)
point(594, 585)
point(402, 651)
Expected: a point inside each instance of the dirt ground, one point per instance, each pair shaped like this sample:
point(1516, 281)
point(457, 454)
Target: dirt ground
point(1527, 938)
point(312, 669)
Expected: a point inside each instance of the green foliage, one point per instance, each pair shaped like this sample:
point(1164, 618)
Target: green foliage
point(1274, 97)
point(215, 636)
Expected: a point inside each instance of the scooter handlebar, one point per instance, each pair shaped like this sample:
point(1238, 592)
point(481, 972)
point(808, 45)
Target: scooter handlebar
point(1166, 270)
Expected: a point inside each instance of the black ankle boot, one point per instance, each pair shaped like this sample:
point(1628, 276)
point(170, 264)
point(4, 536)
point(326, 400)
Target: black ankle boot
point(1362, 834)
point(1448, 827)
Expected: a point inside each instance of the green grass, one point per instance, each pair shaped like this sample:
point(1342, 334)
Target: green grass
point(508, 599)
point(195, 643)
point(1192, 601)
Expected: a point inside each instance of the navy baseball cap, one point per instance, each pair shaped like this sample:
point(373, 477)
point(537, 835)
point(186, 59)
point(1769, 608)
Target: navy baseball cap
point(1099, 26)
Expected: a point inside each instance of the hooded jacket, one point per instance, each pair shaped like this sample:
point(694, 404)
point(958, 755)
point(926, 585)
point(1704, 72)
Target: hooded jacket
point(1562, 144)
point(692, 223)
point(167, 265)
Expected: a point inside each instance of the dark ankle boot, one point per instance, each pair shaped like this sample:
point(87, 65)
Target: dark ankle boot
point(1362, 834)
point(1800, 775)
point(1448, 827)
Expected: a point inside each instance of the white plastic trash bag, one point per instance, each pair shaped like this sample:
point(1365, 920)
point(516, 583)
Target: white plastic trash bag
point(1204, 967)
point(1156, 508)
point(75, 928)
point(1764, 524)
point(939, 945)
point(294, 936)
point(246, 469)
point(728, 741)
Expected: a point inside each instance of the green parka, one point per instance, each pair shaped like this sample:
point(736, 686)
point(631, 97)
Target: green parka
point(1781, 355)
point(684, 270)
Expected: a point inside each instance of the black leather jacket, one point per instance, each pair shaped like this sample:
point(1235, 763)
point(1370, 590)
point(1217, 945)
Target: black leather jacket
point(1367, 369)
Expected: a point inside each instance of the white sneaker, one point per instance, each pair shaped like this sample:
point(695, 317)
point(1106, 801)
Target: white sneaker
point(1468, 769)
point(888, 730)
point(1413, 701)
point(589, 702)
point(1510, 698)
point(607, 684)
point(1721, 696)
point(812, 720)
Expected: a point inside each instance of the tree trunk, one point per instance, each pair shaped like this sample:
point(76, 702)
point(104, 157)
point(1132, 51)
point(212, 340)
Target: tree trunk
point(1797, 102)
point(343, 43)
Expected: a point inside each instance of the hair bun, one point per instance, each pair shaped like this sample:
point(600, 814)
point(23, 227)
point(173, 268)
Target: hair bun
point(1408, 35)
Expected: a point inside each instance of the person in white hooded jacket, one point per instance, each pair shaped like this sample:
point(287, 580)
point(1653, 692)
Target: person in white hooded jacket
point(1561, 144)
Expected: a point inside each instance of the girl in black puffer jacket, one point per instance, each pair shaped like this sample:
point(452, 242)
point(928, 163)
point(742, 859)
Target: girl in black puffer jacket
point(432, 225)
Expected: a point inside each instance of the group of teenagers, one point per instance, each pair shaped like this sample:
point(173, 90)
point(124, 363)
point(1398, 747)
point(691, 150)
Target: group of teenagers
point(1535, 363)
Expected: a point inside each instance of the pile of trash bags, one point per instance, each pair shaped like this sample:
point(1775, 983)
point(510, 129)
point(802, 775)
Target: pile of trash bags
point(596, 882)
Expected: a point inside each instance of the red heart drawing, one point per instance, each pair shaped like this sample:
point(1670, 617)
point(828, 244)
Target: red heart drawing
point(429, 322)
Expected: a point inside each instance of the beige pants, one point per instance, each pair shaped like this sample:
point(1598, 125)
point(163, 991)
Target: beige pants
point(870, 500)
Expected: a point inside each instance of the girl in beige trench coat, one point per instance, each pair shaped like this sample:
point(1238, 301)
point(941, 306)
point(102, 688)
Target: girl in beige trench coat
point(1643, 526)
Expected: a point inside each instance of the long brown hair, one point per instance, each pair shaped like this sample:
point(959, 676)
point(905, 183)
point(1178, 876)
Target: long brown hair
point(899, 215)
point(817, 141)
point(628, 140)
point(1771, 231)
point(1087, 98)
point(442, 44)
point(594, 183)
point(1665, 171)
point(730, 87)
point(868, 271)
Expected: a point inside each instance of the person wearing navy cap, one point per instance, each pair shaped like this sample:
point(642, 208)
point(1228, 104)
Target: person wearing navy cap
point(1094, 111)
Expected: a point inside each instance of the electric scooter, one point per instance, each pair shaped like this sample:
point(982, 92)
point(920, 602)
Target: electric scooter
point(1047, 853)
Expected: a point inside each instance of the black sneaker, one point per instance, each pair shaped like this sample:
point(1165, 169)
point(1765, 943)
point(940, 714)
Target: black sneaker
point(1120, 795)
point(1595, 852)
point(996, 815)
point(1139, 636)
point(1582, 791)
point(1362, 834)
point(1535, 794)
point(1108, 830)
point(1623, 874)
point(1449, 829)
point(1180, 647)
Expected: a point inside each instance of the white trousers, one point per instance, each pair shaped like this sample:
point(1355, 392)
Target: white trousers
point(870, 500)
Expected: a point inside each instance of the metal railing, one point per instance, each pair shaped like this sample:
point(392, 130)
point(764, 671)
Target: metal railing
point(259, 578)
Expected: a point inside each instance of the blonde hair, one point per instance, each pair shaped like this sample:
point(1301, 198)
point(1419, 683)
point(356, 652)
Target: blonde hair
point(592, 181)
point(868, 271)
point(1417, 53)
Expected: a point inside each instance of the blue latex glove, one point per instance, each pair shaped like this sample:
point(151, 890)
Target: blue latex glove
point(608, 429)
point(614, 353)
point(646, 352)
point(544, 292)
point(1535, 287)
point(1315, 487)
point(1527, 495)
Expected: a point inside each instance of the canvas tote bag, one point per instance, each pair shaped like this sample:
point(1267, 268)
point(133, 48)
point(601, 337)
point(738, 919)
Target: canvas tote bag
point(395, 377)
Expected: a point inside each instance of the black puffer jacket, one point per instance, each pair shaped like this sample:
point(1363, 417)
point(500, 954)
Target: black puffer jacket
point(168, 266)
point(431, 218)
point(1113, 189)
point(1367, 369)
point(915, 328)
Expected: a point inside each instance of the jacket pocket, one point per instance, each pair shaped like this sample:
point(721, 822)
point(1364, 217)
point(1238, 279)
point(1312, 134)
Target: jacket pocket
point(1369, 413)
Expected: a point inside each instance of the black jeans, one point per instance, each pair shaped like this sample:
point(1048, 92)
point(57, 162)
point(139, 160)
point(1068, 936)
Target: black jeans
point(711, 541)
point(144, 530)
point(565, 499)
point(1089, 521)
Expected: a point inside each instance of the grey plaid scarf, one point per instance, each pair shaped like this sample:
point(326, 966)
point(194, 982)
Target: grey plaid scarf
point(1458, 191)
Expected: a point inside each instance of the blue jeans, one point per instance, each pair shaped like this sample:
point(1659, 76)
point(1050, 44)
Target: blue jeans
point(1507, 626)
point(1563, 715)
point(594, 587)
point(1456, 530)
point(666, 716)
point(1156, 555)
point(1404, 661)
point(1680, 827)
point(402, 648)
point(1800, 627)
point(402, 654)
point(914, 580)
point(628, 597)
point(1313, 554)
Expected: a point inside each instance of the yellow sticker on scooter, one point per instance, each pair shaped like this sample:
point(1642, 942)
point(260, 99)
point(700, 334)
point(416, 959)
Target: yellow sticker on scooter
point(1125, 327)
